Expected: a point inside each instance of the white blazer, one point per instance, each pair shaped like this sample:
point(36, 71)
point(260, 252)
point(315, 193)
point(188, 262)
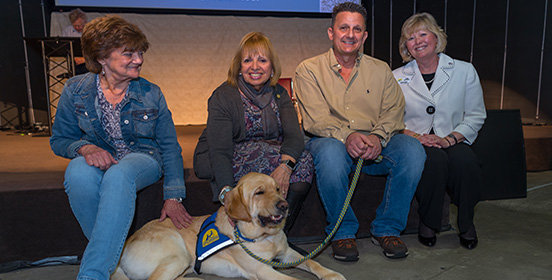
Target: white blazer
point(456, 99)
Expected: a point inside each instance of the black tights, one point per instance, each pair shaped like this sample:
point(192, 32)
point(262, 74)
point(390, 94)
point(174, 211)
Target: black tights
point(296, 196)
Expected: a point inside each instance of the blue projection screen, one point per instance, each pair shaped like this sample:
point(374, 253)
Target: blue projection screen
point(298, 6)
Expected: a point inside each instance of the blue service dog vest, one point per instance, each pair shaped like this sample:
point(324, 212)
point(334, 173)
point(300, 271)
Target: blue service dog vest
point(210, 241)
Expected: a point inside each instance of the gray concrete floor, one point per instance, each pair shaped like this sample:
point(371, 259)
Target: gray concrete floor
point(514, 243)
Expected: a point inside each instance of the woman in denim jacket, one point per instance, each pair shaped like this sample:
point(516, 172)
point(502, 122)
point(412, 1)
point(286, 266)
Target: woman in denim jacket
point(119, 134)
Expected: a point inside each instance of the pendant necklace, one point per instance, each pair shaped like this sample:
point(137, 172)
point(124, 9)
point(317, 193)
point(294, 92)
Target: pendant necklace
point(430, 81)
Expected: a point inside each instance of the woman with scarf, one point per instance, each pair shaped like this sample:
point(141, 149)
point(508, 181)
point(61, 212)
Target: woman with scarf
point(252, 127)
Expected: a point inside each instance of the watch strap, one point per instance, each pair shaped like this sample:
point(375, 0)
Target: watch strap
point(289, 164)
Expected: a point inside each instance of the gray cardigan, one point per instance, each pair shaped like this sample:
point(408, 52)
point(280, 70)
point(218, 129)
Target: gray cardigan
point(226, 126)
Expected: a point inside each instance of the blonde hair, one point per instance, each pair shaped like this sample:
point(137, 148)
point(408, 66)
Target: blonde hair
point(103, 35)
point(417, 22)
point(251, 44)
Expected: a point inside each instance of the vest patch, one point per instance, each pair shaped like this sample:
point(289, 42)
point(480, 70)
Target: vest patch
point(209, 237)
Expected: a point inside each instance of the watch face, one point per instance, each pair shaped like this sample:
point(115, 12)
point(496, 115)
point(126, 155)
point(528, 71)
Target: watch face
point(290, 164)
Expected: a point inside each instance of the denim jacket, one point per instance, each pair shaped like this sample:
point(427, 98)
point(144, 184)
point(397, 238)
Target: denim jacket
point(146, 125)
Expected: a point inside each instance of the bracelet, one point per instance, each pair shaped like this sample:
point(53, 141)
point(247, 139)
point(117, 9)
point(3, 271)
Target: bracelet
point(177, 199)
point(453, 137)
point(287, 171)
point(223, 192)
point(416, 135)
point(447, 141)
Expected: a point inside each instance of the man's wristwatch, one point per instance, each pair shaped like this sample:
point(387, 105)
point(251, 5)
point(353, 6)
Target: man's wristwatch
point(223, 193)
point(177, 199)
point(382, 140)
point(289, 164)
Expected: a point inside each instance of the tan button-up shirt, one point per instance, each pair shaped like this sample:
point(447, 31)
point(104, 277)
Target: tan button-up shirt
point(371, 103)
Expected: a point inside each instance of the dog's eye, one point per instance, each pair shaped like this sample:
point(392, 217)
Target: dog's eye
point(259, 193)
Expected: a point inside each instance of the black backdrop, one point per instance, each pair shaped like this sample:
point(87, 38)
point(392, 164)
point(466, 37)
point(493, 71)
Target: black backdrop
point(13, 86)
point(525, 32)
point(525, 27)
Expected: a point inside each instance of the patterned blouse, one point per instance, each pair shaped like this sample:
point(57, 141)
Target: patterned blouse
point(256, 154)
point(111, 121)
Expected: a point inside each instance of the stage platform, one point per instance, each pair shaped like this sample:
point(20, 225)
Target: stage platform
point(32, 195)
point(36, 221)
point(30, 152)
point(538, 147)
point(25, 155)
point(35, 218)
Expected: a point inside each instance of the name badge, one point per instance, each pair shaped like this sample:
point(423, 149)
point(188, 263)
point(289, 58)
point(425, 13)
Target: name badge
point(402, 81)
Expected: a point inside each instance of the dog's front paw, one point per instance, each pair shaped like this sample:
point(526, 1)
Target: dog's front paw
point(333, 276)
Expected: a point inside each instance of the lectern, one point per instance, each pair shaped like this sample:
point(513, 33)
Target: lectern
point(58, 53)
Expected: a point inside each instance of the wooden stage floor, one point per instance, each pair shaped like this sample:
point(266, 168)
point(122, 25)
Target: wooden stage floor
point(23, 153)
point(31, 153)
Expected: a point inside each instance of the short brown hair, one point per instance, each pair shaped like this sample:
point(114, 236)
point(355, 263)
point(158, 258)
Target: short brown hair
point(105, 34)
point(254, 43)
point(417, 22)
point(351, 7)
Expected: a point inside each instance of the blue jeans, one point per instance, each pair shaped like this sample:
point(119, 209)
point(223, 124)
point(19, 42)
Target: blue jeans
point(403, 162)
point(103, 203)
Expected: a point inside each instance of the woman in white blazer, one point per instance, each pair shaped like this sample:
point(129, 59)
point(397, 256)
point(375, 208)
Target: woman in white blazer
point(444, 111)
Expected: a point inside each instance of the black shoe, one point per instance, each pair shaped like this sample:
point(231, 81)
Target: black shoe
point(468, 243)
point(427, 241)
point(345, 250)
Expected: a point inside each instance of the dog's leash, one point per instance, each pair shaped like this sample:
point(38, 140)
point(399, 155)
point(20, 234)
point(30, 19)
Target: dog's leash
point(323, 244)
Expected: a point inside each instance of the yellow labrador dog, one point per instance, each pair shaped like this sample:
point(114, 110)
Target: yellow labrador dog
point(161, 251)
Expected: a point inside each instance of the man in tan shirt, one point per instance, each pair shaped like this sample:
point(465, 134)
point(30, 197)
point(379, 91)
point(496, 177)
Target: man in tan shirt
point(352, 107)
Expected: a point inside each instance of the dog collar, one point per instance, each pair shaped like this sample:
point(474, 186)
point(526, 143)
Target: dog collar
point(236, 229)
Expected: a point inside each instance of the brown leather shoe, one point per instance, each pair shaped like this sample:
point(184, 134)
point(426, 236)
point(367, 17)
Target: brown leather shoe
point(345, 250)
point(392, 246)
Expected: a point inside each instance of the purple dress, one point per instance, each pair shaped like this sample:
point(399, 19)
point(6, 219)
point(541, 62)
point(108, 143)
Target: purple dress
point(255, 154)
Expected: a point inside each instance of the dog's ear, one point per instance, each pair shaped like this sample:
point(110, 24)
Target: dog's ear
point(235, 206)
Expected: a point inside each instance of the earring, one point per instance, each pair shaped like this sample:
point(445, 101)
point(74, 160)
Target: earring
point(240, 73)
point(103, 71)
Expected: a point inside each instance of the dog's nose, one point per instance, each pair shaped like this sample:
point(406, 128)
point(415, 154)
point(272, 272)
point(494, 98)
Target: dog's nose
point(282, 205)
